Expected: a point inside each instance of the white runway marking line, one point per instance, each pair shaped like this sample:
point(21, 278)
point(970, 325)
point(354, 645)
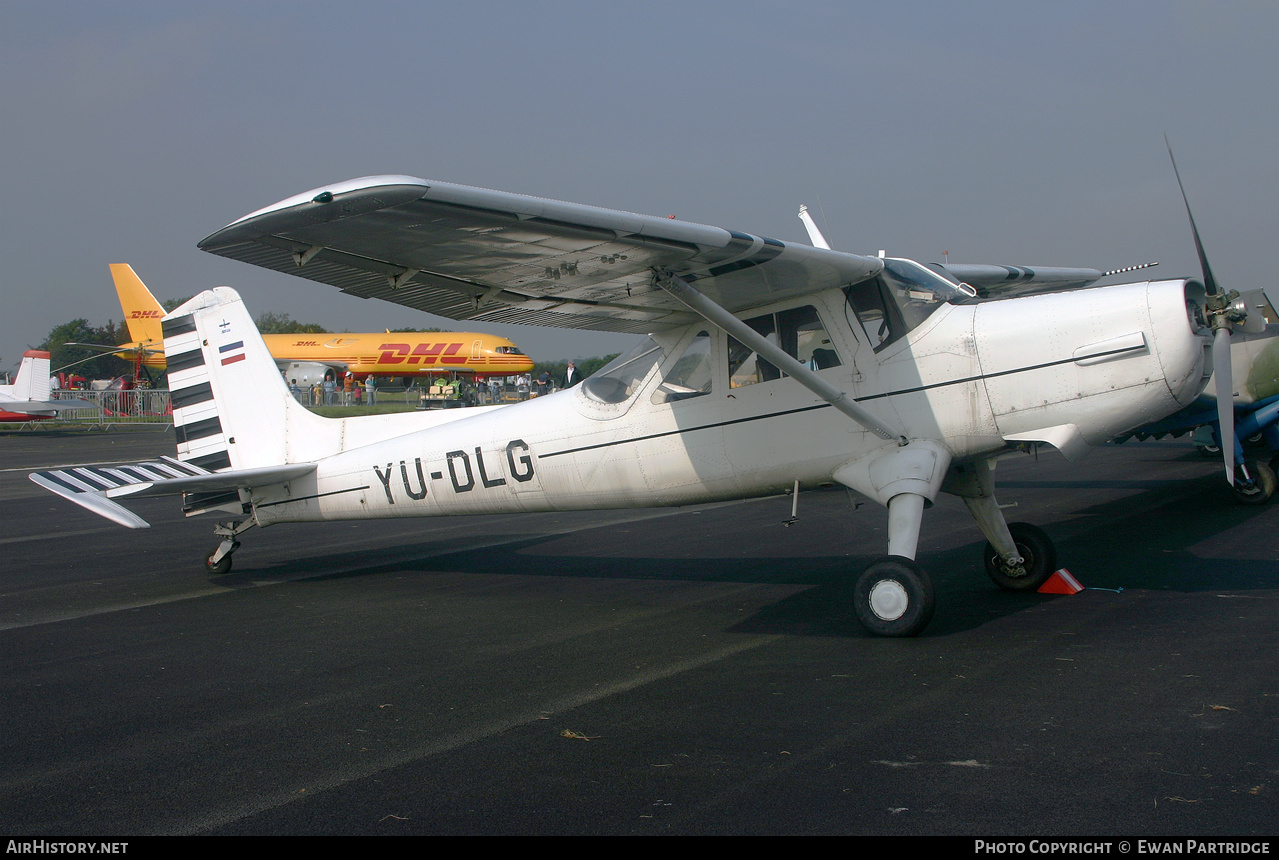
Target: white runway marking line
point(54, 535)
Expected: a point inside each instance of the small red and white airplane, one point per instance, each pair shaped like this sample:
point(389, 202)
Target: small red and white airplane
point(769, 367)
point(28, 398)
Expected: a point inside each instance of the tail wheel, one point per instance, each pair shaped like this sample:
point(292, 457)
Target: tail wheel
point(1039, 559)
point(894, 597)
point(1262, 487)
point(222, 565)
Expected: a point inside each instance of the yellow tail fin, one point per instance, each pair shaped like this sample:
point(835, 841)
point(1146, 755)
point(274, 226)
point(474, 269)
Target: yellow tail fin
point(142, 313)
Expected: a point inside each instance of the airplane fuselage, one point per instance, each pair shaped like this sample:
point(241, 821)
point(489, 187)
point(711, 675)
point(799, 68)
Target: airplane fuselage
point(371, 354)
point(970, 374)
point(402, 353)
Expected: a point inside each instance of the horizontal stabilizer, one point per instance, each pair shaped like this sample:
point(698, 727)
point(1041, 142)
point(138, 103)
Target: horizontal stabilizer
point(46, 407)
point(241, 479)
point(94, 487)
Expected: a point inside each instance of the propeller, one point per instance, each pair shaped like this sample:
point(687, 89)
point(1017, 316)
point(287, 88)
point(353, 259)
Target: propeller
point(143, 351)
point(1227, 313)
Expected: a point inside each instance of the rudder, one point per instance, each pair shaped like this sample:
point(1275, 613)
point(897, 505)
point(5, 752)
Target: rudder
point(142, 313)
point(231, 407)
point(32, 379)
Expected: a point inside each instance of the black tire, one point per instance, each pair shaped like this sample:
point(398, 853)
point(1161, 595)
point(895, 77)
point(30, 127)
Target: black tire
point(220, 567)
point(1261, 488)
point(1210, 452)
point(894, 597)
point(1038, 552)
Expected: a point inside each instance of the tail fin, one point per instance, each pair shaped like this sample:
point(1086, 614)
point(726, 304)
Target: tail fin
point(231, 407)
point(32, 381)
point(142, 312)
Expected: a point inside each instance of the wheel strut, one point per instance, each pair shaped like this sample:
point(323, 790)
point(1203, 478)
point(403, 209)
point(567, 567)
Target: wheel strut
point(218, 561)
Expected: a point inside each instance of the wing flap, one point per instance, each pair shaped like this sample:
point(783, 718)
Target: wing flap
point(470, 253)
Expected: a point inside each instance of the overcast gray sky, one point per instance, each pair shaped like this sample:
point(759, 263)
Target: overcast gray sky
point(1001, 132)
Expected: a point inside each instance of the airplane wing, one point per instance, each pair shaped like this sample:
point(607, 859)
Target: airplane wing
point(94, 487)
point(1005, 282)
point(473, 254)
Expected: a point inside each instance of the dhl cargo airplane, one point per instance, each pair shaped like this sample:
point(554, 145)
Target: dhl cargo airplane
point(309, 357)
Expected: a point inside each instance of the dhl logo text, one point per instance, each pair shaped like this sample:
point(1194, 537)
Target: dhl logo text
point(424, 353)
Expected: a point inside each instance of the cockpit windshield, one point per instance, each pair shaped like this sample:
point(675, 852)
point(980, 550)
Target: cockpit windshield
point(899, 298)
point(920, 291)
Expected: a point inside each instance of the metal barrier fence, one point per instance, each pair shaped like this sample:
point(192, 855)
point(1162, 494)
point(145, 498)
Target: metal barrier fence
point(152, 405)
point(139, 406)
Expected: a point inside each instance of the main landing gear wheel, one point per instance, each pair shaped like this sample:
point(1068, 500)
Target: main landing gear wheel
point(221, 566)
point(1039, 559)
point(1262, 487)
point(894, 597)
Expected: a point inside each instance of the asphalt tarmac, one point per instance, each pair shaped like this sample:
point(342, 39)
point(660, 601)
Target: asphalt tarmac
point(671, 671)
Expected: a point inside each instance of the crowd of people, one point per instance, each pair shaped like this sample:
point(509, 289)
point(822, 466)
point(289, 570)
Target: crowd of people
point(471, 392)
point(353, 392)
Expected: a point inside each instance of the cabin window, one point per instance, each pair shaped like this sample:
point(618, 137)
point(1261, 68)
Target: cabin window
point(622, 377)
point(690, 375)
point(798, 331)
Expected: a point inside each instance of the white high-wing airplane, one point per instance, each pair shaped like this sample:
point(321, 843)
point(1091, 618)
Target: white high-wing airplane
point(27, 399)
point(768, 367)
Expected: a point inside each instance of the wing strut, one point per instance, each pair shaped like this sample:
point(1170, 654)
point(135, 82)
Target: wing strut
point(700, 304)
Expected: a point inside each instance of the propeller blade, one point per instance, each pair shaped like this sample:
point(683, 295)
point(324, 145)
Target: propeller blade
point(1225, 386)
point(1209, 281)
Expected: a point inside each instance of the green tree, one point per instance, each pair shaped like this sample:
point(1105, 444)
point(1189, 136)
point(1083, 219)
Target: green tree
point(82, 360)
point(270, 322)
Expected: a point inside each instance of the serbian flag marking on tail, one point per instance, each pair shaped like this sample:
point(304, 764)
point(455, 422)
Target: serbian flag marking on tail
point(232, 352)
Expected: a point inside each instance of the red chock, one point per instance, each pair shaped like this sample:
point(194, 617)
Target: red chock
point(1061, 582)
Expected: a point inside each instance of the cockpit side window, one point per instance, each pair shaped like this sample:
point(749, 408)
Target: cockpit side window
point(805, 338)
point(875, 311)
point(798, 331)
point(744, 366)
point(690, 375)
